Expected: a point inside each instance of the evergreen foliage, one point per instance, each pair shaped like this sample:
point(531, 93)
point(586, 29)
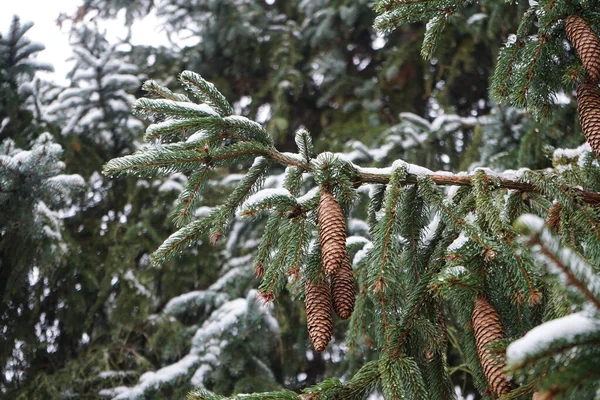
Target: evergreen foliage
point(98, 102)
point(454, 246)
point(17, 66)
point(448, 200)
point(34, 193)
point(534, 67)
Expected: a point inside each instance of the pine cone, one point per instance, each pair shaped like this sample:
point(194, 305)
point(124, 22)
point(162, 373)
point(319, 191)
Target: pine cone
point(488, 328)
point(543, 396)
point(588, 106)
point(319, 317)
point(554, 215)
point(332, 230)
point(586, 43)
point(342, 290)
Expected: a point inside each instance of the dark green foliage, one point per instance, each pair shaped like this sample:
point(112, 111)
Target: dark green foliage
point(18, 64)
point(532, 69)
point(422, 252)
point(33, 191)
point(413, 226)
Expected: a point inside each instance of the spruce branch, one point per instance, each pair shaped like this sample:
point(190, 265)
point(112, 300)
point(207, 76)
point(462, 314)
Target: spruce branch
point(242, 128)
point(555, 391)
point(358, 387)
point(153, 87)
point(449, 179)
point(415, 304)
point(400, 256)
point(304, 143)
point(362, 176)
point(203, 394)
point(189, 198)
point(577, 274)
point(181, 238)
point(269, 239)
point(555, 349)
point(534, 293)
point(572, 278)
point(243, 189)
point(206, 92)
point(174, 127)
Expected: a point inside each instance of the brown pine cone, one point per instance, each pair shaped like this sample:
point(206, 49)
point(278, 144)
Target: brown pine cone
point(332, 231)
point(586, 43)
point(488, 328)
point(554, 215)
point(342, 290)
point(543, 396)
point(588, 106)
point(319, 317)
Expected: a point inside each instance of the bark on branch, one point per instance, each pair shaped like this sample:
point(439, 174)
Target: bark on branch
point(363, 177)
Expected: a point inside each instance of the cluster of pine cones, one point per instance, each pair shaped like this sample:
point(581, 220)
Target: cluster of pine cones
point(585, 41)
point(322, 298)
point(320, 295)
point(485, 320)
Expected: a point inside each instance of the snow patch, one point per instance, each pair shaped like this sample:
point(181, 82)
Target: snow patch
point(458, 243)
point(362, 253)
point(153, 380)
point(264, 194)
point(540, 337)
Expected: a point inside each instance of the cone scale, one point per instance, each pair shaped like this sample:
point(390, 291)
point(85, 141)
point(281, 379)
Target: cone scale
point(488, 329)
point(586, 43)
point(319, 315)
point(342, 290)
point(588, 106)
point(332, 233)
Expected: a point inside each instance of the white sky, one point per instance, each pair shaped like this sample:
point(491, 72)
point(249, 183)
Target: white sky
point(43, 13)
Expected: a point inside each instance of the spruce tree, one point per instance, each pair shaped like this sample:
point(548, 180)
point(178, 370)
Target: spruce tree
point(97, 103)
point(445, 274)
point(34, 194)
point(18, 65)
point(441, 271)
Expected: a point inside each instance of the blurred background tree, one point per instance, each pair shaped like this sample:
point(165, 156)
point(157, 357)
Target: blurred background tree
point(114, 325)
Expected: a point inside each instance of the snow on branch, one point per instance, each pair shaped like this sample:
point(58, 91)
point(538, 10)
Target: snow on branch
point(541, 337)
point(506, 180)
point(153, 380)
point(562, 261)
point(198, 298)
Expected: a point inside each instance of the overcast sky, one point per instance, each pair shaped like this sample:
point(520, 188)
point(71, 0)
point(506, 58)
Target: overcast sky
point(43, 13)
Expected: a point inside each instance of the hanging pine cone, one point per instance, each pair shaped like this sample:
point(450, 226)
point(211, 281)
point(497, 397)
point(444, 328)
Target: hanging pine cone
point(539, 396)
point(588, 106)
point(319, 317)
point(332, 231)
point(488, 328)
point(543, 395)
point(342, 290)
point(554, 215)
point(586, 43)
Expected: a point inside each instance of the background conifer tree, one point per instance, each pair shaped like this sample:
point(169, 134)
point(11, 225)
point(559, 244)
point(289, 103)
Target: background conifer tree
point(33, 195)
point(431, 175)
point(18, 64)
point(97, 102)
